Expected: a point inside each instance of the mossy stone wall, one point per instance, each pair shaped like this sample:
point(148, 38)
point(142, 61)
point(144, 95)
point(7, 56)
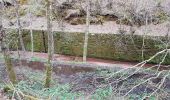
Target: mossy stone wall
point(106, 46)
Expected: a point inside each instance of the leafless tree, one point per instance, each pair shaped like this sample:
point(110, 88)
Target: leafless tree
point(50, 47)
point(87, 30)
point(31, 33)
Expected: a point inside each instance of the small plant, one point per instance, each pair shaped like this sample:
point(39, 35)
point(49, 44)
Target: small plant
point(102, 94)
point(35, 59)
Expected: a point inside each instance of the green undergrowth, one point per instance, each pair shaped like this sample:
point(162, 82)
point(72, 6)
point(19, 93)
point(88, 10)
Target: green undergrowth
point(33, 85)
point(102, 94)
point(38, 59)
point(37, 90)
point(33, 80)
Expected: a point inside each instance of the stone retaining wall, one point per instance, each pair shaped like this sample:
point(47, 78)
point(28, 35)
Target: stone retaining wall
point(105, 46)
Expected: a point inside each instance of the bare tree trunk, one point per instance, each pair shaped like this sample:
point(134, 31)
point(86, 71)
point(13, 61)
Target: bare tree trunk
point(31, 33)
point(50, 48)
point(144, 36)
point(87, 30)
point(19, 25)
point(44, 42)
point(52, 32)
point(8, 62)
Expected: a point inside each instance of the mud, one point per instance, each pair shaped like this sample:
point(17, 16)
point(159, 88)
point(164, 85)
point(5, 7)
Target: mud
point(58, 70)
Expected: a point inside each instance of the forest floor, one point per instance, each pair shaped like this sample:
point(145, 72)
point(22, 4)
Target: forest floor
point(99, 84)
point(93, 84)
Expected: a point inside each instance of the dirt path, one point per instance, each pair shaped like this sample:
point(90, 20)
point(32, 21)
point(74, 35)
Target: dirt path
point(64, 58)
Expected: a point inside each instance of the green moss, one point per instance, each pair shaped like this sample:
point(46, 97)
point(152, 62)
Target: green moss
point(105, 46)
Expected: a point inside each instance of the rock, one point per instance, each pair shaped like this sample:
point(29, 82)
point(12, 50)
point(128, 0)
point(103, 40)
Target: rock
point(67, 5)
point(77, 21)
point(71, 13)
point(109, 17)
point(113, 10)
point(114, 7)
point(82, 20)
point(97, 20)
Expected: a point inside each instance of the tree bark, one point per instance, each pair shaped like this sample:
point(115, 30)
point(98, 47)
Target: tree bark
point(50, 48)
point(87, 30)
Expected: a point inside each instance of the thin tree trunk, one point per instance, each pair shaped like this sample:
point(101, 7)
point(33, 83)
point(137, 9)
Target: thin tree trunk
point(19, 26)
point(87, 30)
point(31, 33)
point(144, 36)
point(52, 32)
point(44, 42)
point(50, 48)
point(8, 62)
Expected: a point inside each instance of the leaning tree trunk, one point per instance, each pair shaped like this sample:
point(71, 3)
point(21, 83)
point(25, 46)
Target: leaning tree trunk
point(8, 62)
point(50, 48)
point(87, 30)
